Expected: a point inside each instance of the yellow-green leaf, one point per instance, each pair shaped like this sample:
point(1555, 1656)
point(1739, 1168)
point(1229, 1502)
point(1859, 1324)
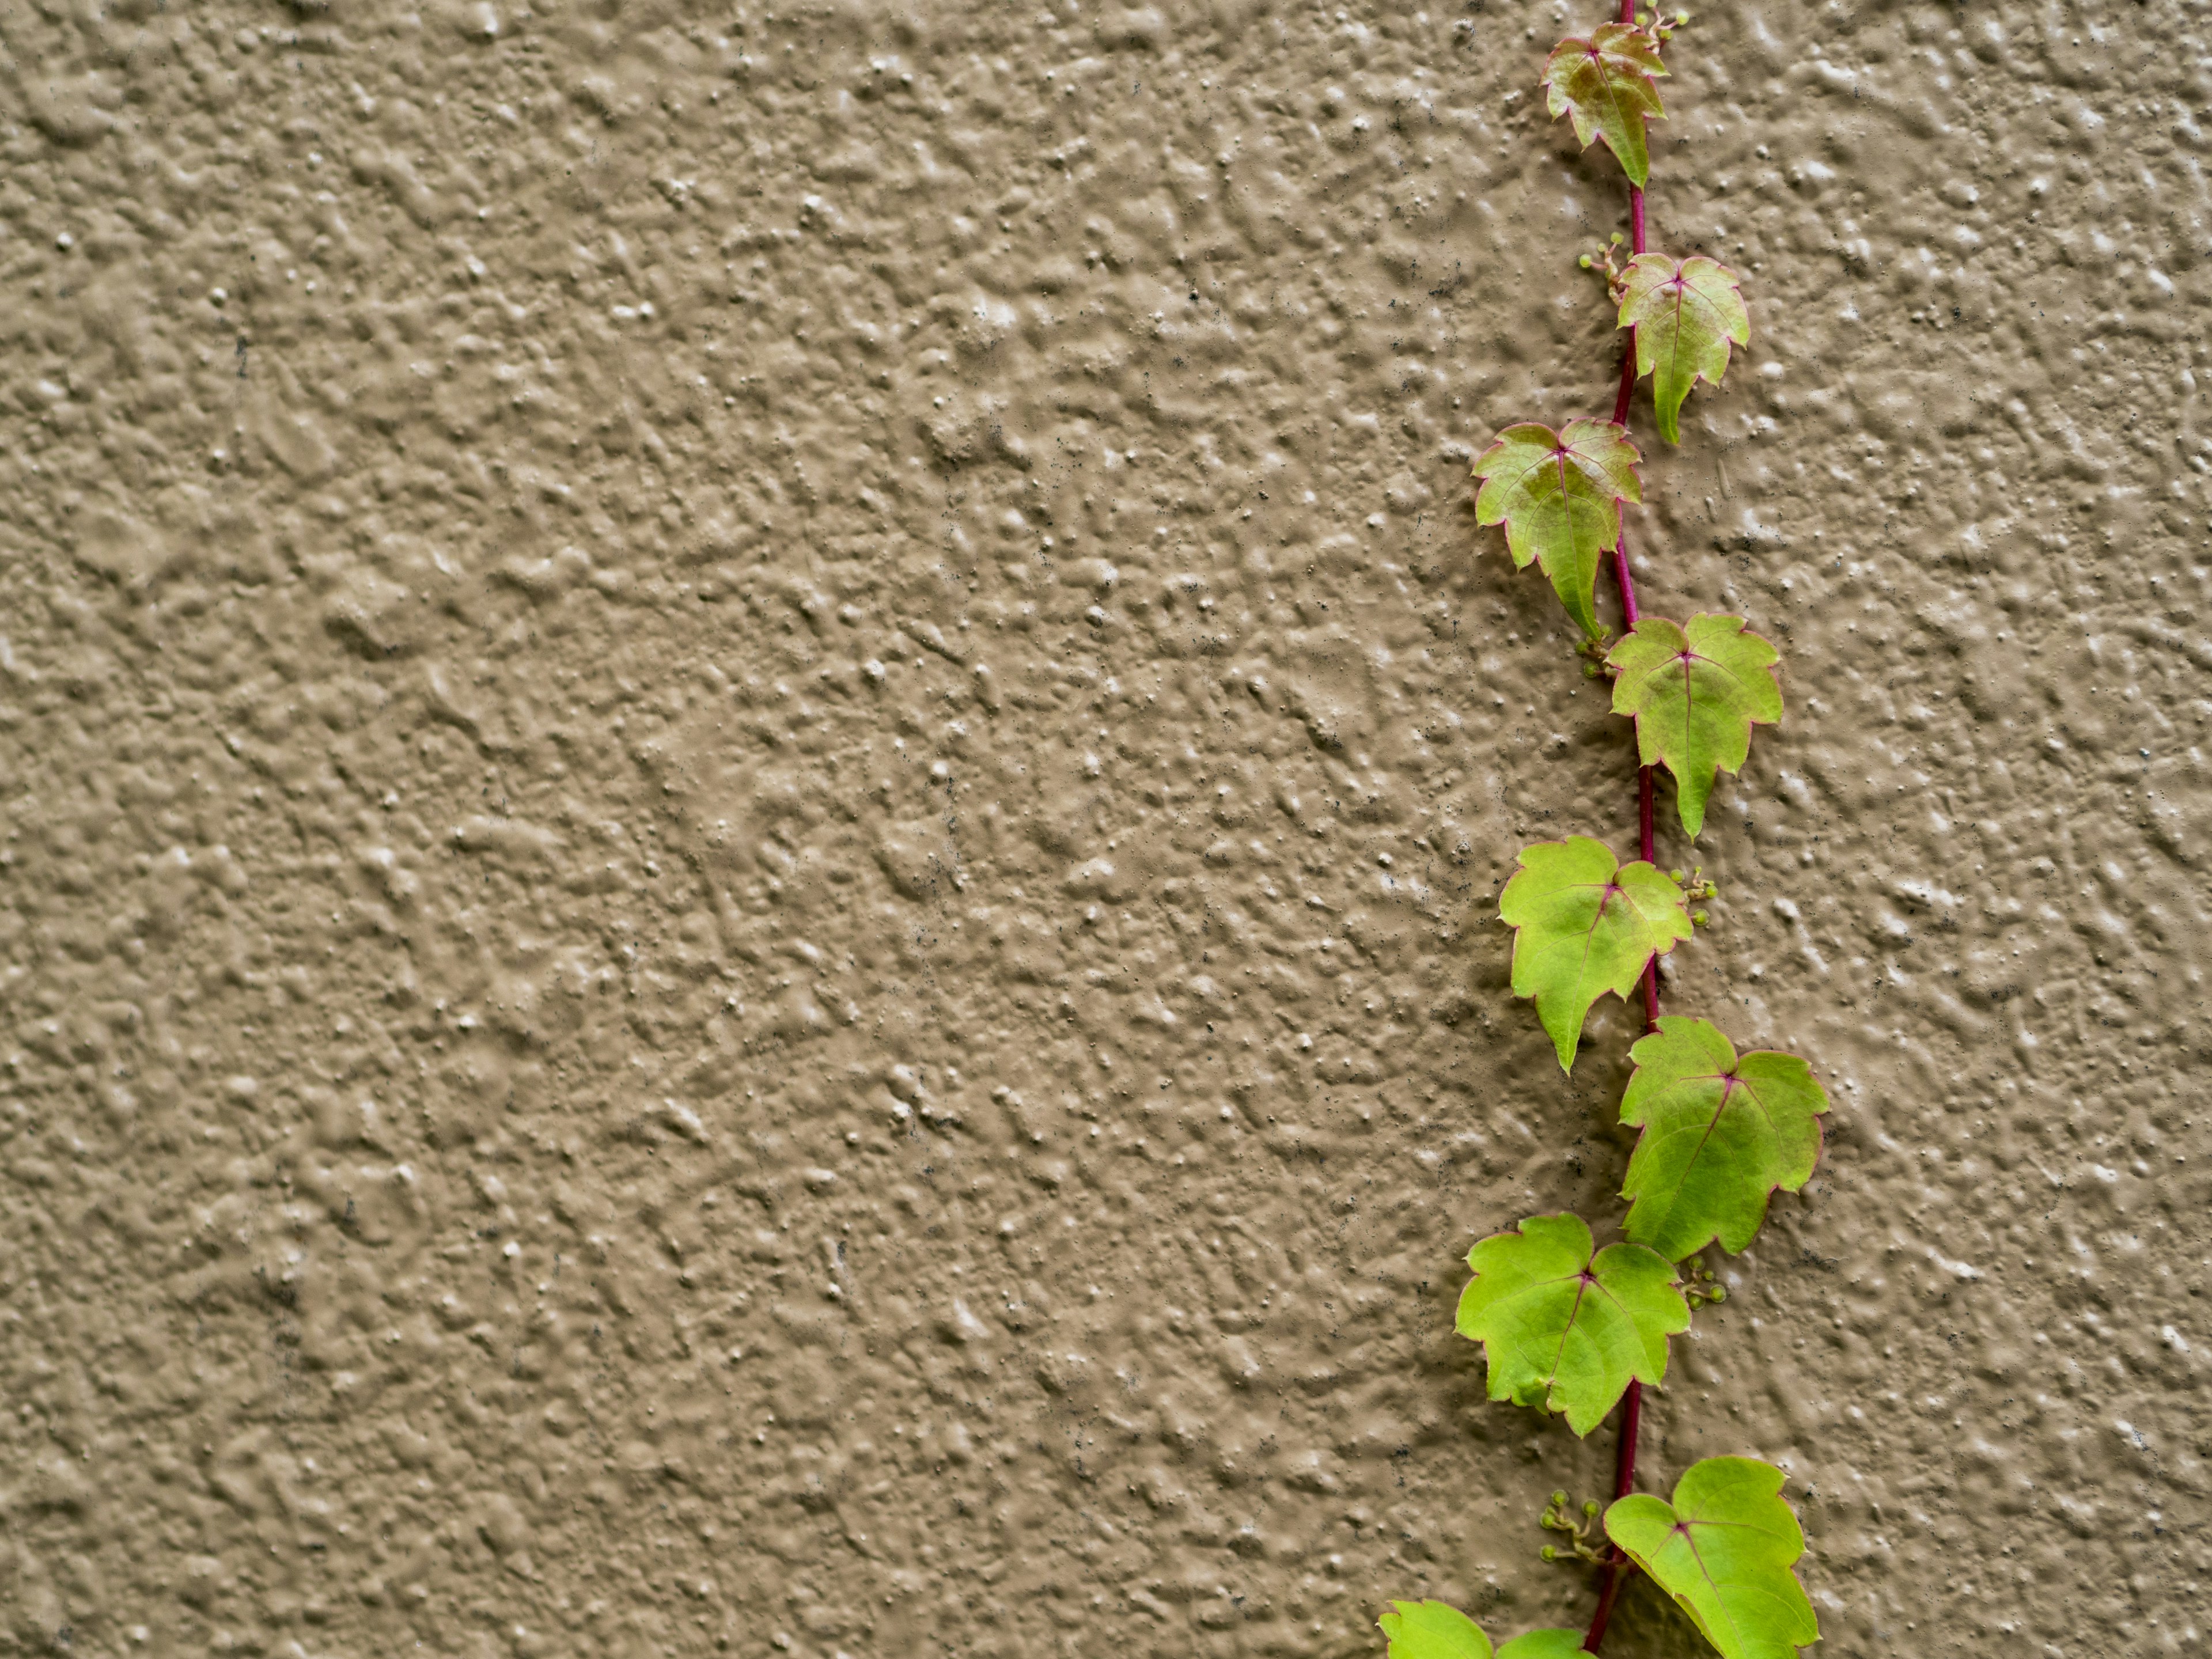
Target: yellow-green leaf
point(1723, 1549)
point(1558, 496)
point(1566, 1326)
point(1684, 314)
point(1430, 1629)
point(1605, 83)
point(1544, 1645)
point(1721, 1132)
point(1694, 693)
point(1585, 924)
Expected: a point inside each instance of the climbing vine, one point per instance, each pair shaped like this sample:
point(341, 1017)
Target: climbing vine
point(1568, 1327)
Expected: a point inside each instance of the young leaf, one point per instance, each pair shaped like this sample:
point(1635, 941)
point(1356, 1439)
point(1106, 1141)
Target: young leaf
point(1586, 924)
point(1694, 693)
point(1558, 496)
point(1605, 83)
point(1565, 1327)
point(1684, 315)
point(1722, 1549)
point(1430, 1629)
point(1544, 1645)
point(1720, 1133)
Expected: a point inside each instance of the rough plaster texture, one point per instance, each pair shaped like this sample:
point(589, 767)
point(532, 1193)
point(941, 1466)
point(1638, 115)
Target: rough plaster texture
point(755, 768)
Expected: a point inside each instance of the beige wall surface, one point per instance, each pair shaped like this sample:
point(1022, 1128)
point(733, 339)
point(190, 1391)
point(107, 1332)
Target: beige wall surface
point(754, 765)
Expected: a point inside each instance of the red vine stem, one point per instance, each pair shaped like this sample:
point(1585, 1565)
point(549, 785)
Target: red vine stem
point(1646, 849)
point(1617, 1566)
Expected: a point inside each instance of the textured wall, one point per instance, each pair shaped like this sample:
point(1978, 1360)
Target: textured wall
point(754, 768)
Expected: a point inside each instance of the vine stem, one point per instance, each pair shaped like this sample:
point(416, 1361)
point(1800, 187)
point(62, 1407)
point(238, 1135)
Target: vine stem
point(1617, 1566)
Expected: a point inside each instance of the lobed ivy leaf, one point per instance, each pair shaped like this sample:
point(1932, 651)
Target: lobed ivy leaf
point(1684, 314)
point(1721, 1132)
point(1545, 1644)
point(1566, 1327)
point(1606, 82)
point(1723, 1549)
point(1586, 924)
point(1558, 496)
point(1430, 1629)
point(1694, 692)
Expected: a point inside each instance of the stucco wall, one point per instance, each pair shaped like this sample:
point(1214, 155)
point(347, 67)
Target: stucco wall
point(754, 769)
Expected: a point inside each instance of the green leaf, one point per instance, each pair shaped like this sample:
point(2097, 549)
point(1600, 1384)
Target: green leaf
point(1694, 694)
point(1586, 924)
point(1722, 1549)
point(1545, 1644)
point(1558, 496)
point(1605, 83)
point(1684, 315)
point(1429, 1630)
point(1565, 1327)
point(1720, 1133)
